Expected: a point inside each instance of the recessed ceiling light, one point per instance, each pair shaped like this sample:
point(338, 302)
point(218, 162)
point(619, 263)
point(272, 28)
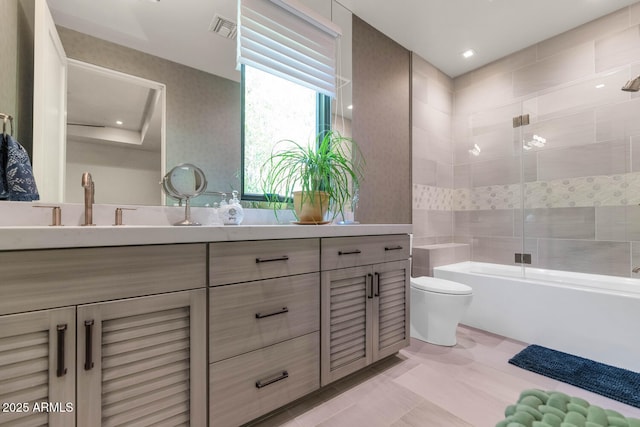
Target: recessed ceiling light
point(468, 53)
point(119, 122)
point(349, 107)
point(600, 86)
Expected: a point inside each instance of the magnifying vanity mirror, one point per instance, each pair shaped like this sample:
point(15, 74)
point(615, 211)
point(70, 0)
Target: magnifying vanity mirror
point(184, 182)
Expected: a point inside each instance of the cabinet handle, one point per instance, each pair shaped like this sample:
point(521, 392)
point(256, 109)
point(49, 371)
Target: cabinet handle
point(369, 286)
point(393, 248)
point(279, 258)
point(88, 345)
point(280, 377)
point(61, 370)
point(376, 284)
point(352, 252)
point(262, 316)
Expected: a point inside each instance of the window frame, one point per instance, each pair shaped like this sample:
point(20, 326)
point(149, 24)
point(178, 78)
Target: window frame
point(323, 124)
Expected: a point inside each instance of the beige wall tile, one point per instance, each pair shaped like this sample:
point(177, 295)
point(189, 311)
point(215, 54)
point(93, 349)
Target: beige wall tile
point(634, 14)
point(564, 67)
point(606, 158)
point(596, 29)
point(494, 91)
point(635, 153)
point(618, 49)
point(619, 223)
point(428, 145)
point(585, 256)
point(618, 121)
point(503, 171)
point(578, 97)
point(557, 223)
point(435, 122)
point(566, 131)
point(497, 222)
point(440, 97)
point(424, 171)
point(504, 65)
point(428, 223)
point(502, 250)
point(420, 88)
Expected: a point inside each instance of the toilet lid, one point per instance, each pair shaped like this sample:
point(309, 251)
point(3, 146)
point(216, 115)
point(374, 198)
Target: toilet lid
point(441, 286)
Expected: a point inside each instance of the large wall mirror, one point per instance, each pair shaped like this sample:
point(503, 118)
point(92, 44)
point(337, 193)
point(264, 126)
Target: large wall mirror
point(190, 71)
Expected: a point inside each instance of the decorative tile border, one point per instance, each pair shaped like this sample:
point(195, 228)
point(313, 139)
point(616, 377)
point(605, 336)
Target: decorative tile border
point(603, 190)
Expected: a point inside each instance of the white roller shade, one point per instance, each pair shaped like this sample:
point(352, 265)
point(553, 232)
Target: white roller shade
point(285, 38)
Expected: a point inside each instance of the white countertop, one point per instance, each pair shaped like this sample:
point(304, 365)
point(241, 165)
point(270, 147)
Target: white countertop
point(43, 237)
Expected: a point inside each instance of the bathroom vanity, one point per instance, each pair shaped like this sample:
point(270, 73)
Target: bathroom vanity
point(208, 326)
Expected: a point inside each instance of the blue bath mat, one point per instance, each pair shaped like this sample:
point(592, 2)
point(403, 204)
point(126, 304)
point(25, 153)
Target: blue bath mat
point(615, 383)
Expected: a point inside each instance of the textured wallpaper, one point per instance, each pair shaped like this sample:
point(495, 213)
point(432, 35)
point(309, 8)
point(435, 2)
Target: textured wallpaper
point(381, 126)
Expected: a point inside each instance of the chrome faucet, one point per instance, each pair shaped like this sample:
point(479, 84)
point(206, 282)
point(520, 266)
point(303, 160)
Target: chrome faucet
point(89, 190)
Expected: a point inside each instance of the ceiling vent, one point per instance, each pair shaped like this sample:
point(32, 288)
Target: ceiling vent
point(223, 27)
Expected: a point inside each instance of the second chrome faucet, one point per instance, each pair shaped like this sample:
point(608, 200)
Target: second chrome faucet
point(89, 191)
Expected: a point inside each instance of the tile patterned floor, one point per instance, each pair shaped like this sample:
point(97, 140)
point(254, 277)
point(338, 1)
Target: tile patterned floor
point(429, 386)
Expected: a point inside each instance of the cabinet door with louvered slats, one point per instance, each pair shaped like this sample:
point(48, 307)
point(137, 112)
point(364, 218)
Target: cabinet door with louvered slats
point(142, 361)
point(390, 308)
point(346, 330)
point(37, 368)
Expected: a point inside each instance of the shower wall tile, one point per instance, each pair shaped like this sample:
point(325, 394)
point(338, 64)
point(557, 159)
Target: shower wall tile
point(428, 145)
point(635, 153)
point(618, 49)
point(635, 259)
point(502, 250)
point(435, 122)
point(504, 65)
point(494, 91)
point(634, 14)
point(618, 121)
point(440, 97)
point(431, 223)
point(497, 222)
point(557, 223)
point(564, 67)
point(444, 177)
point(462, 176)
point(620, 223)
point(423, 171)
point(576, 129)
point(578, 97)
point(585, 256)
point(503, 171)
point(420, 66)
point(605, 158)
point(426, 257)
point(608, 24)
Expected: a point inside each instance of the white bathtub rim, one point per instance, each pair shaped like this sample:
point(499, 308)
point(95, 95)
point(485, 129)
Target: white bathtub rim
point(586, 282)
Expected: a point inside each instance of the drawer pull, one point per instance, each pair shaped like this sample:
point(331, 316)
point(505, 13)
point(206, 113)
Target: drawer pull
point(61, 369)
point(376, 284)
point(393, 248)
point(279, 258)
point(262, 316)
point(263, 383)
point(355, 251)
point(88, 345)
point(369, 284)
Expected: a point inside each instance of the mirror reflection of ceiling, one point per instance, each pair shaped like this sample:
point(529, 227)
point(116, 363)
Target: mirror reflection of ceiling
point(437, 30)
point(101, 108)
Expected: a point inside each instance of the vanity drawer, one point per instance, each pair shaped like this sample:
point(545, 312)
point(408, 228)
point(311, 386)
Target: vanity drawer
point(234, 262)
point(247, 316)
point(245, 387)
point(40, 279)
point(343, 252)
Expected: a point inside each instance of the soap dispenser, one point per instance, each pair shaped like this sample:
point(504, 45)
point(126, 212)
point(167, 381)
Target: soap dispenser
point(231, 213)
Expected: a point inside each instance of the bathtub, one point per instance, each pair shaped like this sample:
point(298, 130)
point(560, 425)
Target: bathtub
point(589, 315)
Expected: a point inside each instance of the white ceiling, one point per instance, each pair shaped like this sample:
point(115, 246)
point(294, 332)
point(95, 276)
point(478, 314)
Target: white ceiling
point(437, 30)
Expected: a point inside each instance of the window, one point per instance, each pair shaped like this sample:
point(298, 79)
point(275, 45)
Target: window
point(274, 109)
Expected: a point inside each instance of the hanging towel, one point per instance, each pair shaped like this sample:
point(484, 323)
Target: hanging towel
point(16, 175)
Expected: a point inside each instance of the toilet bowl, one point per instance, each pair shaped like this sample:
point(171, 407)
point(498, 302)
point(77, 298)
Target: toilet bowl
point(437, 306)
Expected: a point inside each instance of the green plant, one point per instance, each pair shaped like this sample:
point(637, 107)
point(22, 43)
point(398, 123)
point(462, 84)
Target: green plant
point(335, 166)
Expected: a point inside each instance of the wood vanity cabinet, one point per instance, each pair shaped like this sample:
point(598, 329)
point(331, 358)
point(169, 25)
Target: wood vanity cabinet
point(264, 321)
point(104, 359)
point(364, 300)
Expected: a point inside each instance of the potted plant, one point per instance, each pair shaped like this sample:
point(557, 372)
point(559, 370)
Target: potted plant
point(317, 178)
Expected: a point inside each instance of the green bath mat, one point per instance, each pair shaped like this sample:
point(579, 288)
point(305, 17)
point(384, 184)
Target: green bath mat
point(537, 408)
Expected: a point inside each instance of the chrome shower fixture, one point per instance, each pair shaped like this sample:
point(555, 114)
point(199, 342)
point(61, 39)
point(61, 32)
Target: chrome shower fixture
point(632, 85)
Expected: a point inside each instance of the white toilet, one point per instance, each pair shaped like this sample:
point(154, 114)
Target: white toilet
point(437, 305)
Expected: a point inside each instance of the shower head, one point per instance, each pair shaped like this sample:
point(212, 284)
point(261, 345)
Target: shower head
point(632, 85)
